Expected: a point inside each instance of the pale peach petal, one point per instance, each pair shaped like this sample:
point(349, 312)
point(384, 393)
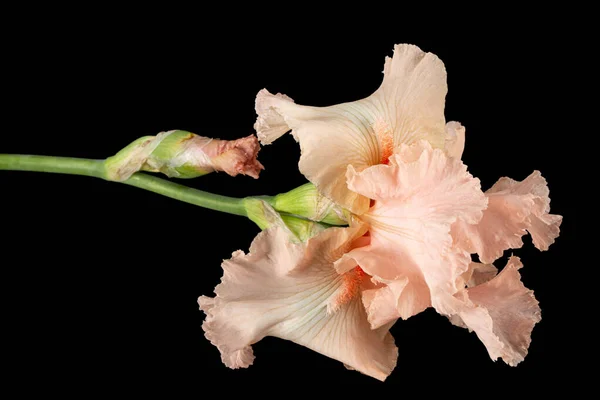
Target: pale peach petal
point(455, 139)
point(477, 274)
point(407, 107)
point(501, 228)
point(513, 209)
point(417, 198)
point(388, 303)
point(270, 123)
point(412, 95)
point(544, 229)
point(292, 291)
point(503, 313)
point(328, 144)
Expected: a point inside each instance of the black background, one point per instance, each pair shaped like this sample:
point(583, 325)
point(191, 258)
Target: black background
point(100, 280)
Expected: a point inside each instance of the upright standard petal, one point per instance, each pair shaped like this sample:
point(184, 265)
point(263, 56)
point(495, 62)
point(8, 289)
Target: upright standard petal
point(417, 198)
point(407, 107)
point(502, 312)
point(513, 209)
point(292, 291)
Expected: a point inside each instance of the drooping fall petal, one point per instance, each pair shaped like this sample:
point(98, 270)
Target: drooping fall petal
point(502, 312)
point(417, 198)
point(407, 107)
point(513, 209)
point(292, 291)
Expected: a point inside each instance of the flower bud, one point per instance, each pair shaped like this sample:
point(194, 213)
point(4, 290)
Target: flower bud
point(183, 154)
point(307, 202)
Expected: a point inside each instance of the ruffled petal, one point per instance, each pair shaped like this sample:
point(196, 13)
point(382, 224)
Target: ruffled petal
point(543, 226)
point(502, 312)
point(417, 198)
point(477, 273)
point(407, 107)
point(292, 291)
point(513, 209)
point(270, 123)
point(395, 300)
point(544, 229)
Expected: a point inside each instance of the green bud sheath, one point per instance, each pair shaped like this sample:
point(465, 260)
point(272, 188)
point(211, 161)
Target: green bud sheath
point(302, 228)
point(130, 159)
point(307, 202)
point(263, 215)
point(176, 156)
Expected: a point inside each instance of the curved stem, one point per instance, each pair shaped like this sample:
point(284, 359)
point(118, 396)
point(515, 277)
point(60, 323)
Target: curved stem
point(95, 168)
point(187, 194)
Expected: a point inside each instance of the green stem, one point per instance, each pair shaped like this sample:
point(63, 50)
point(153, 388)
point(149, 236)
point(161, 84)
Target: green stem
point(95, 168)
point(62, 165)
point(187, 194)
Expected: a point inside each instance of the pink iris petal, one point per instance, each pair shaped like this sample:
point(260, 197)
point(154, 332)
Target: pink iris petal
point(477, 273)
point(513, 209)
point(292, 291)
point(406, 108)
point(418, 196)
point(502, 312)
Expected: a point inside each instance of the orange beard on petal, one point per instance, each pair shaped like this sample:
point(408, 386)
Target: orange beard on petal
point(387, 148)
point(385, 138)
point(351, 284)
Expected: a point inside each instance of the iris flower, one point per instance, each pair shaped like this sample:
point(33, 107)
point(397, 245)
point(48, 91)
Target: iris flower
point(388, 168)
point(416, 217)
